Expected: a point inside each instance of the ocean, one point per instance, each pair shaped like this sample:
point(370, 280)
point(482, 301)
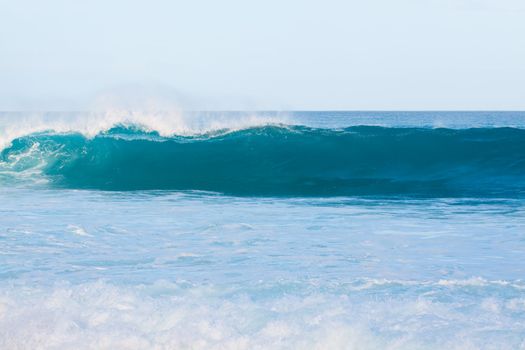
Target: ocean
point(267, 230)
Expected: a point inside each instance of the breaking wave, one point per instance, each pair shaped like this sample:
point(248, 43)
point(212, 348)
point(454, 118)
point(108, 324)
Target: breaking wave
point(277, 160)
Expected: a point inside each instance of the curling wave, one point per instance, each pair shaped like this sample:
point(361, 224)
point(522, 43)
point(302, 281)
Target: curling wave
point(279, 160)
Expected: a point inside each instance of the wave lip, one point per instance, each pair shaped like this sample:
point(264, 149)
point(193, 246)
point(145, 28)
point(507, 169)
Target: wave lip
point(279, 160)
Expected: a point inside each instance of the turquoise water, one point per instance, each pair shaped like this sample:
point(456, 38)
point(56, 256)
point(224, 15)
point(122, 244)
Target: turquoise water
point(348, 230)
point(282, 160)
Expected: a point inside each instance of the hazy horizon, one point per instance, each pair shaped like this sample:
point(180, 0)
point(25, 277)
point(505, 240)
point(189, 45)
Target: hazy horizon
point(298, 55)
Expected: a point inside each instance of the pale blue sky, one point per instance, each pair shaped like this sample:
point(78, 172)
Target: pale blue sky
point(233, 54)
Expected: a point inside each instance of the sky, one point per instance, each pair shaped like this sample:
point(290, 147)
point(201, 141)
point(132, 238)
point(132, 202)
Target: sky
point(263, 55)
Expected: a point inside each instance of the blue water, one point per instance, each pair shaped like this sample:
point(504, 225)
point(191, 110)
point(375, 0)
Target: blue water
point(303, 230)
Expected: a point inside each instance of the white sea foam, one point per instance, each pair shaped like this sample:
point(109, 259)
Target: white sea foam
point(25, 166)
point(78, 230)
point(165, 315)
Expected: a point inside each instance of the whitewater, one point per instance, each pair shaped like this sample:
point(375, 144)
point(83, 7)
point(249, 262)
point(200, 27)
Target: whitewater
point(289, 230)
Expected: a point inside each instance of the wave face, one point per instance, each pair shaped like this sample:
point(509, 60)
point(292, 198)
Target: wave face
point(280, 161)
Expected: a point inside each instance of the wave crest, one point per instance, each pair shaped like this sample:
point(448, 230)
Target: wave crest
point(165, 123)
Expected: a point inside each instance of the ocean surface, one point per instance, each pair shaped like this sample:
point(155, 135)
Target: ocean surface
point(268, 230)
